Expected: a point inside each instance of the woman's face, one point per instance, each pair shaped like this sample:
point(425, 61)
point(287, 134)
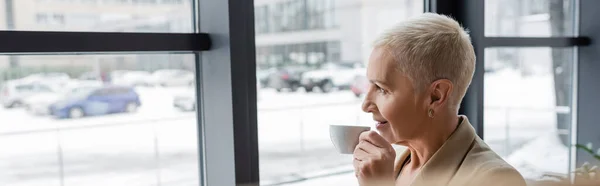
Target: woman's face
point(397, 110)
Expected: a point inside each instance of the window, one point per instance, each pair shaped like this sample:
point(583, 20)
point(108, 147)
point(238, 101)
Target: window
point(311, 54)
point(529, 18)
point(65, 137)
point(49, 19)
point(117, 1)
point(528, 91)
point(528, 107)
point(305, 41)
point(43, 88)
point(24, 88)
point(165, 136)
point(295, 15)
point(41, 18)
point(89, 1)
point(145, 1)
point(99, 16)
point(173, 1)
point(100, 92)
point(261, 19)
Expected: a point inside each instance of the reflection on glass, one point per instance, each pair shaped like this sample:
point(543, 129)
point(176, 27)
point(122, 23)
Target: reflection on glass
point(531, 18)
point(311, 57)
point(171, 16)
point(527, 107)
point(98, 120)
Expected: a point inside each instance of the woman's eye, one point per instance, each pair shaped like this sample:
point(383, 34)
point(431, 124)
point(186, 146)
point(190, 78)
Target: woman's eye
point(380, 90)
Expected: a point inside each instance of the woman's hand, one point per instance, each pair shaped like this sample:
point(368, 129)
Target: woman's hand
point(374, 160)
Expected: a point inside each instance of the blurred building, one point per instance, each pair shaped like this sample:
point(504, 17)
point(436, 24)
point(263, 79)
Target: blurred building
point(98, 16)
point(310, 32)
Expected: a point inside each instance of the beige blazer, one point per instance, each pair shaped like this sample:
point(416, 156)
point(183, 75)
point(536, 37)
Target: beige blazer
point(464, 160)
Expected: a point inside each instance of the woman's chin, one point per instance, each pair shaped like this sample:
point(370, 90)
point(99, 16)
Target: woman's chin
point(386, 135)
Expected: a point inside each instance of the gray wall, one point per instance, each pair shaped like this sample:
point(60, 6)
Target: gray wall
point(588, 95)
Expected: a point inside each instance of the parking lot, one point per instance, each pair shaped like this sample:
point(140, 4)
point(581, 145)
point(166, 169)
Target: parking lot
point(158, 143)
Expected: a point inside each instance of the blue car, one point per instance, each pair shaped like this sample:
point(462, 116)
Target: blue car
point(96, 101)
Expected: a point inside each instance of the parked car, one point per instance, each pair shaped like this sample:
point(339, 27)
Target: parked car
point(97, 101)
point(330, 76)
point(116, 74)
point(185, 101)
point(90, 76)
point(47, 76)
point(14, 92)
point(39, 104)
point(172, 77)
point(54, 80)
point(360, 86)
point(287, 78)
point(133, 78)
point(263, 76)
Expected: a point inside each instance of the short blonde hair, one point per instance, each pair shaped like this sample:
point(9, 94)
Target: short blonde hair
point(430, 47)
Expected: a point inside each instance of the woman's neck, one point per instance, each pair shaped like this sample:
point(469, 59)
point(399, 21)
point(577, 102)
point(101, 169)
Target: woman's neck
point(427, 144)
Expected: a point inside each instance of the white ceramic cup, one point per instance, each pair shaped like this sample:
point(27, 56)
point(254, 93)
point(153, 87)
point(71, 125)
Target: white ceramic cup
point(345, 137)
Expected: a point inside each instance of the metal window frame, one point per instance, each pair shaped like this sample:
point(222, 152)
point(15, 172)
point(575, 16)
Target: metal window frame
point(585, 102)
point(25, 42)
point(587, 89)
point(215, 122)
point(228, 94)
point(227, 125)
point(227, 130)
point(472, 16)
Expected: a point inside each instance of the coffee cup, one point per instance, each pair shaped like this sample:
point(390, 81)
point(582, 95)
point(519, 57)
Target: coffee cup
point(345, 137)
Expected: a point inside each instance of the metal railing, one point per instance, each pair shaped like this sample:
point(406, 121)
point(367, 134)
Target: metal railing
point(508, 112)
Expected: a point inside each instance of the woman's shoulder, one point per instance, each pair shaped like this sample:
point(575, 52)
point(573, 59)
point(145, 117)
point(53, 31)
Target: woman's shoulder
point(497, 175)
point(483, 164)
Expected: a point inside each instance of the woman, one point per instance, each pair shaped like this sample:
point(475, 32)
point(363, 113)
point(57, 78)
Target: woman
point(419, 72)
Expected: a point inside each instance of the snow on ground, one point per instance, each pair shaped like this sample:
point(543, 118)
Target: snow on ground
point(520, 120)
point(520, 111)
point(543, 153)
point(158, 144)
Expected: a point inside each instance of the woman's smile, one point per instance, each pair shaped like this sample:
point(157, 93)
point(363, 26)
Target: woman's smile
point(381, 124)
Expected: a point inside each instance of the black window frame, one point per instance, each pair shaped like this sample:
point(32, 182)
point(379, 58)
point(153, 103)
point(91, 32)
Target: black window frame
point(471, 15)
point(40, 42)
point(237, 50)
point(583, 127)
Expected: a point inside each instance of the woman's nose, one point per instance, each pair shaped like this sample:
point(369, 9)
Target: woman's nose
point(366, 106)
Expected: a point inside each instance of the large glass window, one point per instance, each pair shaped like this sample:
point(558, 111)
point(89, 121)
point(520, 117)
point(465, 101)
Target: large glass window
point(294, 15)
point(532, 18)
point(170, 16)
point(527, 105)
point(125, 119)
point(296, 103)
point(528, 92)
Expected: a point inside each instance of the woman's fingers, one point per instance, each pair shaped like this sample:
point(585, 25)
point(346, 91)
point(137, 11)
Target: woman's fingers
point(360, 153)
point(357, 167)
point(374, 160)
point(375, 139)
point(368, 147)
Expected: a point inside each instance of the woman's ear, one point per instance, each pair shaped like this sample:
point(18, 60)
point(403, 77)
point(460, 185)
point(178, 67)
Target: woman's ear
point(440, 92)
